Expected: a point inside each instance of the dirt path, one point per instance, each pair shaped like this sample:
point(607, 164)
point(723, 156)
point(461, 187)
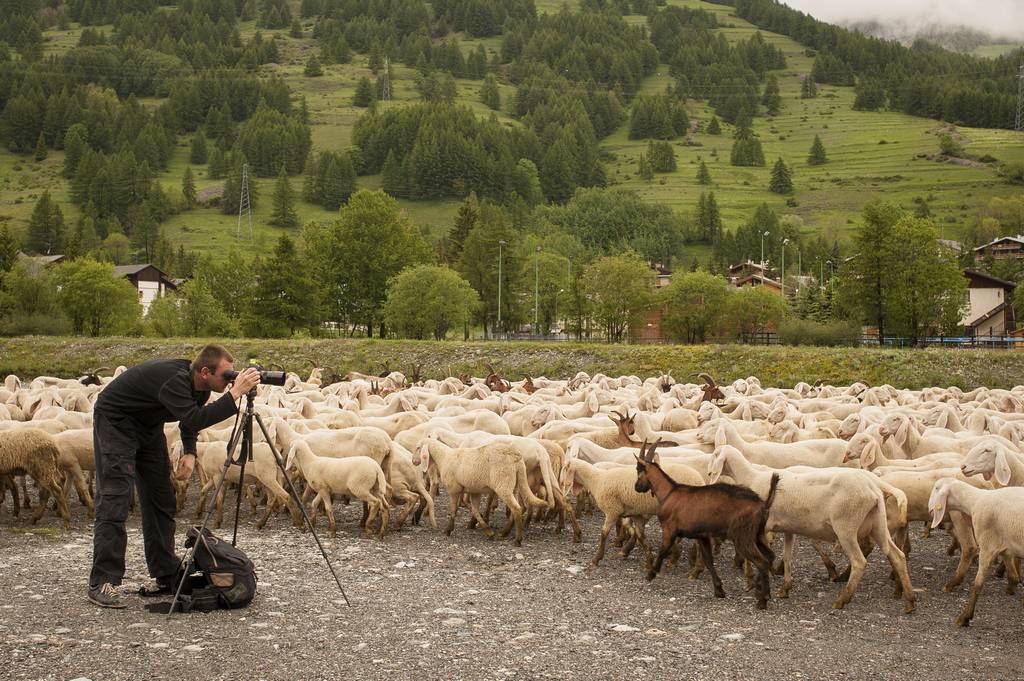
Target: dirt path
point(429, 607)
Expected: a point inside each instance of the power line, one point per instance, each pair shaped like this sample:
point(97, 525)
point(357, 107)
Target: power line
point(1019, 125)
point(244, 204)
point(385, 90)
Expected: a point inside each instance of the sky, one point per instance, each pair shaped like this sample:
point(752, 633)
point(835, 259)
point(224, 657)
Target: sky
point(999, 17)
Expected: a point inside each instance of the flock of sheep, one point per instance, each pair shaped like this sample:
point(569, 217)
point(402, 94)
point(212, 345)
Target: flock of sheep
point(840, 466)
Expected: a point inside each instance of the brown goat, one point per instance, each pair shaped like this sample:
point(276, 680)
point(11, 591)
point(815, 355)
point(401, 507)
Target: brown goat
point(718, 511)
point(712, 393)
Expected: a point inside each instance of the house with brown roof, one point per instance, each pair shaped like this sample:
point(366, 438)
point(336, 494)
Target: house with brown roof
point(750, 273)
point(758, 279)
point(149, 280)
point(1003, 248)
point(990, 305)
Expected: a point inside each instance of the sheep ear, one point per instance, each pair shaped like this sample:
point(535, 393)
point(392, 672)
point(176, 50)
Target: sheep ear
point(943, 420)
point(937, 503)
point(715, 466)
point(720, 436)
point(1002, 467)
point(902, 432)
point(867, 455)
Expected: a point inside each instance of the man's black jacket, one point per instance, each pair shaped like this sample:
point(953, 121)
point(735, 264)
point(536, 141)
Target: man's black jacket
point(159, 391)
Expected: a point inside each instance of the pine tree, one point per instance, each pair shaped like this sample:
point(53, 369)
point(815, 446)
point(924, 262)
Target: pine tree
point(771, 99)
point(714, 127)
point(808, 88)
point(296, 30)
point(489, 94)
point(75, 145)
point(391, 176)
point(188, 187)
point(46, 227)
point(197, 153)
point(313, 68)
point(467, 218)
point(817, 156)
point(645, 171)
point(8, 249)
point(703, 174)
point(284, 214)
point(708, 218)
point(376, 59)
point(746, 149)
point(782, 178)
point(218, 167)
point(41, 152)
point(661, 156)
point(364, 93)
point(338, 179)
point(311, 180)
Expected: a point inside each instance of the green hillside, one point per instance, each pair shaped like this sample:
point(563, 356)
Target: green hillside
point(871, 154)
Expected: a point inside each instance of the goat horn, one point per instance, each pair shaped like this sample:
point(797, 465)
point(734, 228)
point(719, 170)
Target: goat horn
point(817, 384)
point(649, 457)
point(707, 378)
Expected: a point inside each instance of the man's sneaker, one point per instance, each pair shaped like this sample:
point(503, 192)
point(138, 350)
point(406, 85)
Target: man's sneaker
point(161, 586)
point(105, 596)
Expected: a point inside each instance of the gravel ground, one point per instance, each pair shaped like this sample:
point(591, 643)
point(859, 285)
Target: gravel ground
point(426, 606)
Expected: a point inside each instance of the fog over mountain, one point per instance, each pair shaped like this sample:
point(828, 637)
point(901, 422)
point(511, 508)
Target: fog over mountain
point(1002, 20)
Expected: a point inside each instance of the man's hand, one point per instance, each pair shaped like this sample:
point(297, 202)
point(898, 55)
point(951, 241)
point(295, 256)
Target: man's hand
point(183, 469)
point(246, 381)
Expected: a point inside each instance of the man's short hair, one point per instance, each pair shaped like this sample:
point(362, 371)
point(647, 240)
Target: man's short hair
point(210, 357)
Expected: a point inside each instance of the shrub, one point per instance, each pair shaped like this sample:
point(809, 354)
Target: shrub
point(809, 332)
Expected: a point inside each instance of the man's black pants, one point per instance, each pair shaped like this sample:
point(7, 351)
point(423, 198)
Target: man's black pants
point(126, 454)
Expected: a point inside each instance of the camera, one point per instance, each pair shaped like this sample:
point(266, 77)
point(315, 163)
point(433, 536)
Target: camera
point(266, 377)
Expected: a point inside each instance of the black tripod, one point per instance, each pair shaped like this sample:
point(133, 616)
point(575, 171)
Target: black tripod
point(243, 434)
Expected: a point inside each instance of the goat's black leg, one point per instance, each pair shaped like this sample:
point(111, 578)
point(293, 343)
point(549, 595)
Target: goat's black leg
point(667, 540)
point(709, 561)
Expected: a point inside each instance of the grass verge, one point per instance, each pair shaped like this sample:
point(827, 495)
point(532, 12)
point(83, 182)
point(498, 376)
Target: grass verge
point(775, 366)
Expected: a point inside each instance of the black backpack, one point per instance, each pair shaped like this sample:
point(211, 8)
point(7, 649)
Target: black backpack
point(227, 577)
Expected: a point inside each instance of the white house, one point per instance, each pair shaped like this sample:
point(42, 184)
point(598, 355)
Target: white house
point(990, 309)
point(149, 281)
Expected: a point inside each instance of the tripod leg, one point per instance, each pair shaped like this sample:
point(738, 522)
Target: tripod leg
point(295, 496)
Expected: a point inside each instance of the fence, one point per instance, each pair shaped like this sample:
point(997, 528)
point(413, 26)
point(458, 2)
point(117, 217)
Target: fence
point(770, 338)
point(989, 342)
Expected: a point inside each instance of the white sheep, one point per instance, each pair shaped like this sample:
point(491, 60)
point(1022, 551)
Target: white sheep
point(817, 453)
point(826, 504)
point(496, 467)
point(407, 486)
point(997, 517)
point(262, 469)
point(613, 490)
point(355, 476)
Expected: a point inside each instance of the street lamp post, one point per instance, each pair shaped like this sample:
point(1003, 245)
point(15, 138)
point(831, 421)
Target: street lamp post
point(536, 291)
point(501, 243)
point(762, 251)
point(560, 292)
point(783, 279)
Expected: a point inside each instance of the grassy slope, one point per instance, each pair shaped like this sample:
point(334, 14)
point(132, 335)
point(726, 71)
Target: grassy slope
point(774, 366)
point(830, 197)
